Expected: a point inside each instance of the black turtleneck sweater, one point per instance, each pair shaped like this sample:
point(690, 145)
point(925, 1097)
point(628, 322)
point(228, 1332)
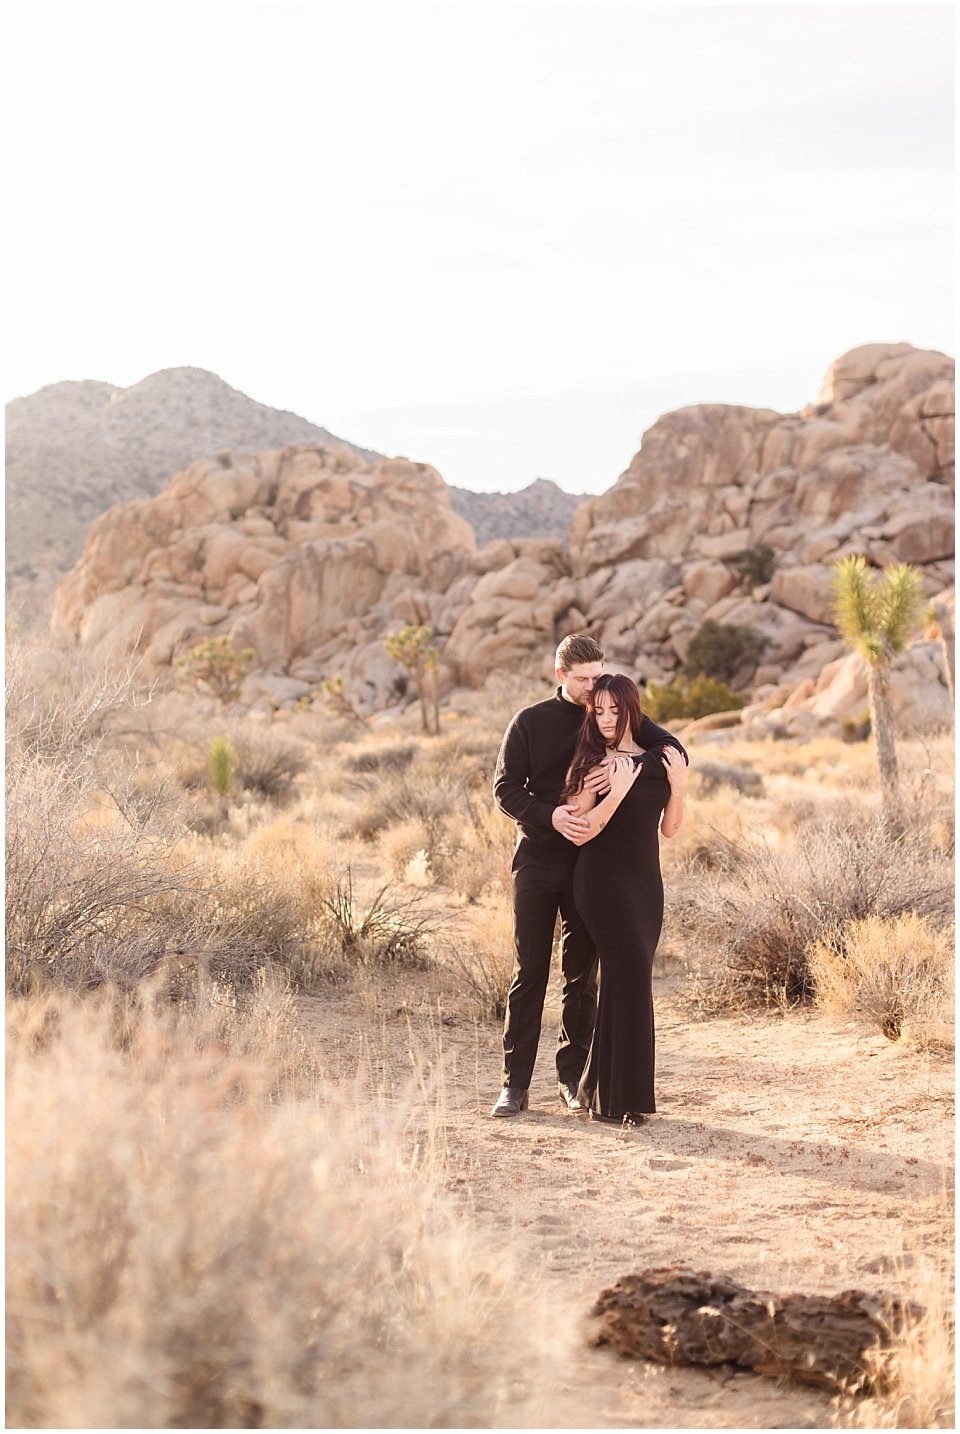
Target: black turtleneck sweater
point(532, 767)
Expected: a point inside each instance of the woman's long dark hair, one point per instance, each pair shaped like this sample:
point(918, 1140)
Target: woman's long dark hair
point(591, 747)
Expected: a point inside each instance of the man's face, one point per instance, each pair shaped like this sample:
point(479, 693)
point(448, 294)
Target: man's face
point(577, 683)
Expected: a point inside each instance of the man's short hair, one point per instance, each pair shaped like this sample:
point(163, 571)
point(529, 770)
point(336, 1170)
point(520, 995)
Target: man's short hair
point(577, 648)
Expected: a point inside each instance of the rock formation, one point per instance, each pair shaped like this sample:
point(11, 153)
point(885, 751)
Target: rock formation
point(75, 449)
point(311, 555)
point(306, 555)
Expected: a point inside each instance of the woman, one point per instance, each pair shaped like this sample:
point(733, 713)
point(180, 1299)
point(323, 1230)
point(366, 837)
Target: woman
point(619, 891)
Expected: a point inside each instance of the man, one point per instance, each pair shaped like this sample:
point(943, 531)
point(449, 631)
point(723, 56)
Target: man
point(531, 772)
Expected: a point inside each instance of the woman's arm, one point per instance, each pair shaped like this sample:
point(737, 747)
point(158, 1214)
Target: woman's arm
point(596, 781)
point(676, 768)
point(624, 773)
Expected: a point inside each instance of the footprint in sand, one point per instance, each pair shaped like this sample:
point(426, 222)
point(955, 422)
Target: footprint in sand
point(658, 1162)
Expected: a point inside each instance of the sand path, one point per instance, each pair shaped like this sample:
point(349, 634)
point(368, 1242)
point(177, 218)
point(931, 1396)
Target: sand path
point(788, 1153)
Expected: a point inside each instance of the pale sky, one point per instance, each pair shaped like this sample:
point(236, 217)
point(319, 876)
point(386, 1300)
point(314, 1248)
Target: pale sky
point(499, 239)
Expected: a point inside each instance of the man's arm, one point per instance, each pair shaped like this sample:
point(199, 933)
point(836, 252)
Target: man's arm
point(513, 771)
point(653, 736)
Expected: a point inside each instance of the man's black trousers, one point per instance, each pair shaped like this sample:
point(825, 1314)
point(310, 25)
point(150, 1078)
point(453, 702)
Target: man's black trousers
point(541, 888)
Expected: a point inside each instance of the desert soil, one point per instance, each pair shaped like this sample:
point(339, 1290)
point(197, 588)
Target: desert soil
point(788, 1152)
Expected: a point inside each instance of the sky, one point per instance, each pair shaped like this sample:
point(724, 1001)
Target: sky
point(499, 239)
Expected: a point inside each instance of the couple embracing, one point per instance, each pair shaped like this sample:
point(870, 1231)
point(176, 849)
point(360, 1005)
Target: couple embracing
point(591, 781)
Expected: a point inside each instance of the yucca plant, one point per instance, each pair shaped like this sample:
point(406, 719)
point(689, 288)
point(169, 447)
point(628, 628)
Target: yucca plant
point(876, 614)
point(221, 768)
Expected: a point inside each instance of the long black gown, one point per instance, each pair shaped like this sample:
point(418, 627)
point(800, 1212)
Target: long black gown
point(619, 892)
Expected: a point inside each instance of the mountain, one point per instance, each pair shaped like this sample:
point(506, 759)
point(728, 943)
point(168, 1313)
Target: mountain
point(76, 449)
point(727, 515)
point(541, 510)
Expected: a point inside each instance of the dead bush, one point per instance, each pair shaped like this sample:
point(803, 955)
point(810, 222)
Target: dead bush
point(751, 923)
point(383, 928)
point(481, 957)
point(709, 776)
point(896, 973)
point(187, 1252)
point(268, 762)
point(86, 886)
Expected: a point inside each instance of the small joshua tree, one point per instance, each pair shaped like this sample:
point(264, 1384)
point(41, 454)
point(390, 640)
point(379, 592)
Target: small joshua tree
point(876, 614)
point(221, 768)
point(217, 665)
point(411, 648)
point(338, 700)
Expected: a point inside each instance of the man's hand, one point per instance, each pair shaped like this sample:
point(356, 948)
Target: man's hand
point(598, 778)
point(566, 821)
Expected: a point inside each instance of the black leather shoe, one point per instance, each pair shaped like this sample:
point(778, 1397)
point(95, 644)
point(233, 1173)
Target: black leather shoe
point(511, 1101)
point(569, 1096)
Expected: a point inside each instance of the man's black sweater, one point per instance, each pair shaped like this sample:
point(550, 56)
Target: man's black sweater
point(532, 767)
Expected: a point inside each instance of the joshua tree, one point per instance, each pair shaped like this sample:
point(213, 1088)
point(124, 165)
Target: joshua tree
point(411, 648)
point(217, 665)
point(875, 614)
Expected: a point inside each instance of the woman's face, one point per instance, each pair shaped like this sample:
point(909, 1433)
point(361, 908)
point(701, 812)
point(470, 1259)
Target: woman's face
point(606, 713)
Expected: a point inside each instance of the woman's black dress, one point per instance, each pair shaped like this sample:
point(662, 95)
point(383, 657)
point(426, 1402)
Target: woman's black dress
point(619, 893)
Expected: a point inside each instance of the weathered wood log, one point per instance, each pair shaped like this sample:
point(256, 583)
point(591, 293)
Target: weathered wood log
point(678, 1316)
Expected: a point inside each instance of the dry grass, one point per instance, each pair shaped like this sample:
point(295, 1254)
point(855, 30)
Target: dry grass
point(896, 973)
point(185, 1252)
point(753, 920)
point(481, 955)
point(920, 1390)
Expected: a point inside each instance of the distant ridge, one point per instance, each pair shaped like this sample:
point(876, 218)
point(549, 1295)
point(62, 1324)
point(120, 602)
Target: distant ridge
point(75, 449)
point(541, 510)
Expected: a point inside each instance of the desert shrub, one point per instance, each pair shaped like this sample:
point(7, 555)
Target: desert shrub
point(84, 887)
point(724, 650)
point(754, 919)
point(897, 973)
point(385, 928)
point(755, 566)
point(742, 779)
point(186, 1251)
point(481, 956)
point(401, 843)
point(268, 762)
point(395, 757)
point(217, 666)
point(701, 696)
point(855, 729)
point(60, 705)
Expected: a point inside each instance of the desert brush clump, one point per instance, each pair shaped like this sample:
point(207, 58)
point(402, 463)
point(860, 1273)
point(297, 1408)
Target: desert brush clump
point(753, 920)
point(480, 955)
point(896, 973)
point(726, 651)
point(682, 699)
point(184, 1247)
point(381, 927)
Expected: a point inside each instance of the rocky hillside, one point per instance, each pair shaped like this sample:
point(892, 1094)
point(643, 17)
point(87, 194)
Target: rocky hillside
point(541, 510)
point(75, 449)
point(733, 514)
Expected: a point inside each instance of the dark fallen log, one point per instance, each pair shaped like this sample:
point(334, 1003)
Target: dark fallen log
point(678, 1316)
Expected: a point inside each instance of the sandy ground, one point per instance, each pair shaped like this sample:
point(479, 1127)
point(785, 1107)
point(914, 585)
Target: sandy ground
point(789, 1153)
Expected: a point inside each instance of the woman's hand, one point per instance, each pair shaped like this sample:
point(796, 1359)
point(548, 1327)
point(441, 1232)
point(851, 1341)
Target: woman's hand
point(676, 768)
